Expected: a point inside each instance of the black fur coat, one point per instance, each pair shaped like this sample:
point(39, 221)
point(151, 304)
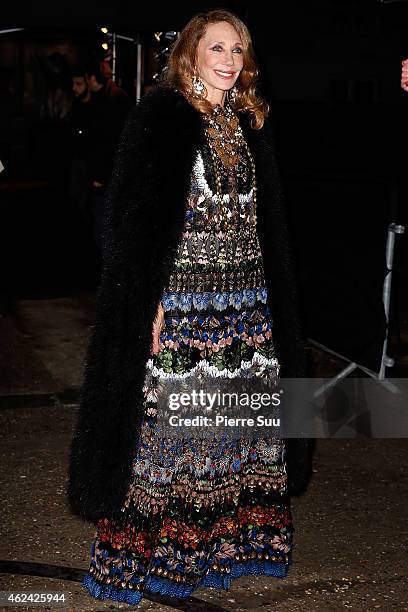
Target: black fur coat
point(145, 215)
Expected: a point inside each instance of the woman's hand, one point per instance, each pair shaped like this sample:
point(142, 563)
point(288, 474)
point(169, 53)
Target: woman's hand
point(404, 75)
point(157, 327)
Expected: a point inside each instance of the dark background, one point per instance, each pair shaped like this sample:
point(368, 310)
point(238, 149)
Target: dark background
point(331, 70)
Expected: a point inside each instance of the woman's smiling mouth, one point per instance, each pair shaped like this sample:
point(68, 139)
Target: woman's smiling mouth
point(224, 74)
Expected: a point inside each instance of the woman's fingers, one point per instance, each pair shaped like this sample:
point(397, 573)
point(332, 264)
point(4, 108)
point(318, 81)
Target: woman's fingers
point(155, 341)
point(157, 327)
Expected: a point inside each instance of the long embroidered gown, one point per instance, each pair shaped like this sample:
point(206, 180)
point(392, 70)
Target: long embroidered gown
point(201, 511)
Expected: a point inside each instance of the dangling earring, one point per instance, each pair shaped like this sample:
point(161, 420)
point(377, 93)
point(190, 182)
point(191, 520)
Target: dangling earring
point(232, 94)
point(198, 85)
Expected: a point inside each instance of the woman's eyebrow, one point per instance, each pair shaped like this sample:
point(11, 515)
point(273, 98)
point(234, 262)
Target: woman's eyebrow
point(221, 42)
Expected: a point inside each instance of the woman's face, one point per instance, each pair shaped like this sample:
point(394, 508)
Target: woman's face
point(219, 59)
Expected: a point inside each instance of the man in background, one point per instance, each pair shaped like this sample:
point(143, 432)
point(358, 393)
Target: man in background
point(110, 107)
point(81, 112)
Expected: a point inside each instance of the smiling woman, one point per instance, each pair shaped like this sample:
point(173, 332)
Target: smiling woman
point(196, 247)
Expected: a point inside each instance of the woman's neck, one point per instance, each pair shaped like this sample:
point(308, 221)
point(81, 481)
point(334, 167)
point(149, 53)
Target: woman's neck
point(216, 97)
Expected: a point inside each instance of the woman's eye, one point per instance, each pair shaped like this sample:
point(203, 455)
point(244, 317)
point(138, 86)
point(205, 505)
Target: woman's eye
point(219, 48)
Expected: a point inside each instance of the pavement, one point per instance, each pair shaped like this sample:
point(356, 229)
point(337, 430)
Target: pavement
point(351, 533)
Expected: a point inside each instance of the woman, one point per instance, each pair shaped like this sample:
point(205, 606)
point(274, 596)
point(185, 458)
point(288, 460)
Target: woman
point(196, 246)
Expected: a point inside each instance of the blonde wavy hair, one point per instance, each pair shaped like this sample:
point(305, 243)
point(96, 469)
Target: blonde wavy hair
point(182, 59)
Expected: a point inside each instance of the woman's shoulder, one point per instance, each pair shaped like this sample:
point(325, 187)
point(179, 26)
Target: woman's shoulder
point(160, 126)
point(263, 136)
point(161, 113)
point(162, 103)
point(163, 94)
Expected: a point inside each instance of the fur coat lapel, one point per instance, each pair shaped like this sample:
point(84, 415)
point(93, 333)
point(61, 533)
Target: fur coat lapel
point(144, 220)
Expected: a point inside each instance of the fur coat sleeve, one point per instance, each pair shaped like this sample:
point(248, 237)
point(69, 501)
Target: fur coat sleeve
point(144, 220)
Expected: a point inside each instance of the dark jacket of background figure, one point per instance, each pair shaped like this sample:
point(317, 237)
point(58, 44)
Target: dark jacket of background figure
point(145, 207)
point(109, 109)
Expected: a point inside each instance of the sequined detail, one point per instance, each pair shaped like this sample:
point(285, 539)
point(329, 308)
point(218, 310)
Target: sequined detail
point(202, 511)
point(225, 135)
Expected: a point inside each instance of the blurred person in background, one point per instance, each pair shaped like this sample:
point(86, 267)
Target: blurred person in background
point(401, 159)
point(81, 112)
point(404, 74)
point(110, 105)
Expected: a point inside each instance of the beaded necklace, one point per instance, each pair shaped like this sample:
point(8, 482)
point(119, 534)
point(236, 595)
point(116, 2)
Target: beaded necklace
point(226, 140)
